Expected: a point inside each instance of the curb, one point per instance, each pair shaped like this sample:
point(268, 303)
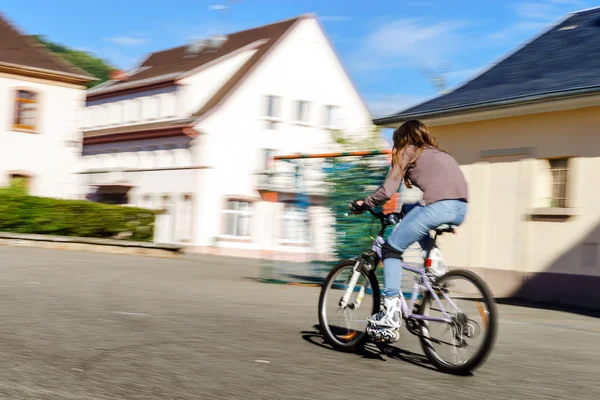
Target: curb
point(90, 244)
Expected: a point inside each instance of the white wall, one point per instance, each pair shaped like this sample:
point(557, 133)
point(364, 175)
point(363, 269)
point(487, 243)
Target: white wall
point(302, 67)
point(51, 154)
point(198, 88)
point(232, 139)
point(162, 173)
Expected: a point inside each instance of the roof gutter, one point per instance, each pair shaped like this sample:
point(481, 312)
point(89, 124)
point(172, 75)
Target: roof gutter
point(451, 111)
point(49, 72)
point(125, 86)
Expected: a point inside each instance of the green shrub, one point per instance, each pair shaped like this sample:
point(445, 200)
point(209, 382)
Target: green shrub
point(21, 213)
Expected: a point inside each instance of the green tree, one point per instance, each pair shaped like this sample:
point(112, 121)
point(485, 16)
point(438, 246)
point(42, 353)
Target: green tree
point(350, 178)
point(90, 64)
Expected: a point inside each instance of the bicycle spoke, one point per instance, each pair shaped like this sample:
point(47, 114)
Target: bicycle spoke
point(347, 323)
point(467, 308)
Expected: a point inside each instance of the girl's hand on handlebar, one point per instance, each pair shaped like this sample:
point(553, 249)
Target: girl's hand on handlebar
point(357, 207)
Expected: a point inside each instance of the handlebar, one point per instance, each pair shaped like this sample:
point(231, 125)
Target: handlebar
point(385, 219)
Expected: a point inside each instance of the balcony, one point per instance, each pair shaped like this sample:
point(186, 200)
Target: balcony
point(311, 184)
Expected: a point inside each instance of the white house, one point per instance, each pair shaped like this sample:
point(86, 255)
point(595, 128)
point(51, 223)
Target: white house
point(191, 128)
point(42, 100)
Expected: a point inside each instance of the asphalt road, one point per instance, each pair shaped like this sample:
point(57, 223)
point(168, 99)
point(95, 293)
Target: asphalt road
point(99, 326)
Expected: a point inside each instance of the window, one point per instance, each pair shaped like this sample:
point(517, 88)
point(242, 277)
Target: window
point(272, 104)
point(136, 157)
point(272, 111)
point(186, 219)
point(19, 182)
point(152, 156)
point(302, 111)
point(268, 161)
point(559, 168)
point(237, 218)
point(150, 107)
point(147, 201)
point(25, 111)
point(295, 224)
point(330, 116)
point(167, 105)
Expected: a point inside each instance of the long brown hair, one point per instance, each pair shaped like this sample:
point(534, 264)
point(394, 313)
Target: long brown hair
point(415, 133)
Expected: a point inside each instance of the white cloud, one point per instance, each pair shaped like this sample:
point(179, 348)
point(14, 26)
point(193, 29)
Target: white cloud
point(217, 7)
point(536, 10)
point(407, 42)
point(128, 41)
point(390, 104)
point(335, 18)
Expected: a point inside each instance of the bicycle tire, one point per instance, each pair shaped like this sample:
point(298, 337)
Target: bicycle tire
point(486, 347)
point(325, 331)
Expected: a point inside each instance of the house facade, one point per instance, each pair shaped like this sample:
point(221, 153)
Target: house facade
point(42, 99)
point(193, 129)
point(526, 135)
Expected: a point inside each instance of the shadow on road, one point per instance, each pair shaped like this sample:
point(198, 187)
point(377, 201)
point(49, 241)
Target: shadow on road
point(588, 312)
point(371, 350)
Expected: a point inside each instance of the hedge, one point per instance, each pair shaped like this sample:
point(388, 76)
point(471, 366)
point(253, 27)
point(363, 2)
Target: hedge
point(21, 213)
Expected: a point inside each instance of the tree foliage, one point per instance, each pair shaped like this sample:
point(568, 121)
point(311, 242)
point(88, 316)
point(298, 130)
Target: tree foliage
point(87, 62)
point(352, 178)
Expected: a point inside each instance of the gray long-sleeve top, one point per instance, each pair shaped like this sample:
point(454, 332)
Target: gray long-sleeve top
point(436, 173)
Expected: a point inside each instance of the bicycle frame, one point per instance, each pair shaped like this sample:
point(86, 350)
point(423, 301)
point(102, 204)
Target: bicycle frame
point(371, 260)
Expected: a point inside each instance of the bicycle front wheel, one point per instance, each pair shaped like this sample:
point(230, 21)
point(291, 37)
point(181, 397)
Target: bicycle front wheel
point(462, 345)
point(344, 325)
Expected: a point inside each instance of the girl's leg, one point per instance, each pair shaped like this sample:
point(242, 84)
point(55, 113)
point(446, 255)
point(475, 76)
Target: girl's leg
point(415, 227)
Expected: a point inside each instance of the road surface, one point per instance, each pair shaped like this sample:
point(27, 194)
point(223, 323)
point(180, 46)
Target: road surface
point(77, 325)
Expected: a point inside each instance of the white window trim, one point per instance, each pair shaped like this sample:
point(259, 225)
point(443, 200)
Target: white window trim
point(336, 125)
point(248, 213)
point(298, 122)
point(298, 242)
point(278, 107)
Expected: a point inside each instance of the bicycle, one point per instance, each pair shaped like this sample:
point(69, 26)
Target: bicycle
point(354, 281)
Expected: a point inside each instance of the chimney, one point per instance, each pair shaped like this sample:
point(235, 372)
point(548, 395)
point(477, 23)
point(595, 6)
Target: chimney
point(195, 48)
point(216, 41)
point(118, 75)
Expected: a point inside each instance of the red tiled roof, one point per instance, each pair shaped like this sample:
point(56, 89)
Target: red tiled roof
point(19, 50)
point(170, 64)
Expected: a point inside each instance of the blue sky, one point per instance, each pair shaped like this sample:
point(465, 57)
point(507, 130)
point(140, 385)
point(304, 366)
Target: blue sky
point(390, 48)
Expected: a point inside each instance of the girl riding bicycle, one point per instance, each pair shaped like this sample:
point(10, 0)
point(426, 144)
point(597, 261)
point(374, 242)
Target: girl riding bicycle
point(417, 160)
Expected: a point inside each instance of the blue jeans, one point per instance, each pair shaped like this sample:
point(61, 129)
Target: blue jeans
point(415, 227)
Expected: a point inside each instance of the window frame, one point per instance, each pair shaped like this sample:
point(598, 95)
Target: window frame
point(17, 101)
point(329, 115)
point(297, 111)
point(248, 213)
point(24, 175)
point(564, 201)
point(272, 121)
point(305, 219)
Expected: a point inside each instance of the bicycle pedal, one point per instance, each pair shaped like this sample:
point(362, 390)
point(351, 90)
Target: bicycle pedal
point(383, 335)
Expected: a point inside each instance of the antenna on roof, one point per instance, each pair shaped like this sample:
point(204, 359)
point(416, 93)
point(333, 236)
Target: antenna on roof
point(438, 79)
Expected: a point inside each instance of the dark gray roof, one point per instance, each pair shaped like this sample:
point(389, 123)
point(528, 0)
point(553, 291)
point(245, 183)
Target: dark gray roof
point(563, 61)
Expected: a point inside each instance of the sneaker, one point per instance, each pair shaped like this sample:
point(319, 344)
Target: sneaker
point(390, 315)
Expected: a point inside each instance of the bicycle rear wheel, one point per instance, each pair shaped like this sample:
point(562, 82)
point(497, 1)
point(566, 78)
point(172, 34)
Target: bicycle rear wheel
point(344, 327)
point(463, 345)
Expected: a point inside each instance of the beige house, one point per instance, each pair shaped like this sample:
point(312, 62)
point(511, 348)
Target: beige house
point(527, 135)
